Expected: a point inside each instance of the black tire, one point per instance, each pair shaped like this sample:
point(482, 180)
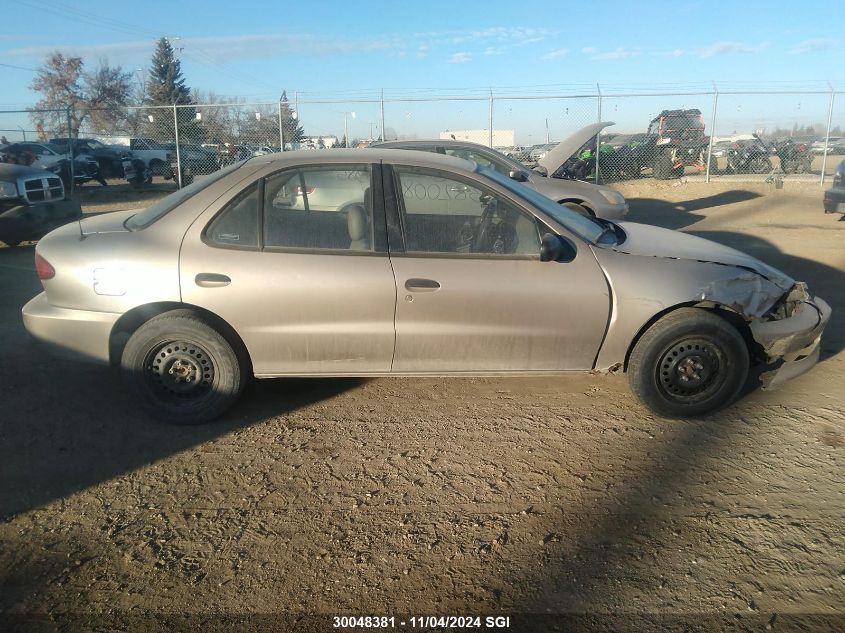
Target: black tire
point(157, 167)
point(578, 208)
point(690, 362)
point(663, 166)
point(760, 165)
point(168, 353)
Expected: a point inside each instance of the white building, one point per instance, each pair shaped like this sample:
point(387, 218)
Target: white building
point(501, 138)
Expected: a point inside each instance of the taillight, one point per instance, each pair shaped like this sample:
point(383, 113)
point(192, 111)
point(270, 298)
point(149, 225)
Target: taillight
point(734, 145)
point(308, 190)
point(44, 269)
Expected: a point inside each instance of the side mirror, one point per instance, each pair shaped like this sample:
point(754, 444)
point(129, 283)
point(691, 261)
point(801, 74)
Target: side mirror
point(541, 170)
point(551, 247)
point(518, 175)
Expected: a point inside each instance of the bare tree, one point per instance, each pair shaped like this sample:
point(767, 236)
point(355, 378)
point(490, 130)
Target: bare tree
point(98, 97)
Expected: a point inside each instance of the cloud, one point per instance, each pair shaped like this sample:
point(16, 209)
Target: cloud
point(224, 49)
point(729, 48)
point(812, 46)
point(460, 58)
point(619, 53)
point(588, 50)
point(556, 53)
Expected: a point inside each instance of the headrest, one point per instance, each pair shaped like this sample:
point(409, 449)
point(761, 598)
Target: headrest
point(356, 223)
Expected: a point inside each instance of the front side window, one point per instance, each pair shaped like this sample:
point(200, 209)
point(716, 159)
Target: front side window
point(326, 208)
point(444, 214)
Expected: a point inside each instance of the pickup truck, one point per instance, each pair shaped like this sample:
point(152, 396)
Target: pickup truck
point(153, 153)
point(32, 203)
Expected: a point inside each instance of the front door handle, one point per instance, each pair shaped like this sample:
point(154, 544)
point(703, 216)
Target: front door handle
point(422, 285)
point(212, 280)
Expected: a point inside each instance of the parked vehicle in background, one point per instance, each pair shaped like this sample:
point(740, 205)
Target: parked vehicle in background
point(50, 158)
point(679, 141)
point(749, 157)
point(537, 152)
point(152, 152)
point(834, 144)
point(795, 158)
point(108, 158)
point(136, 171)
point(720, 149)
point(583, 197)
point(32, 203)
point(627, 155)
point(834, 198)
point(433, 265)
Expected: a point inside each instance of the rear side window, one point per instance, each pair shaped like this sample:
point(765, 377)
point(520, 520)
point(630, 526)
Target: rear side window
point(149, 215)
point(323, 208)
point(237, 224)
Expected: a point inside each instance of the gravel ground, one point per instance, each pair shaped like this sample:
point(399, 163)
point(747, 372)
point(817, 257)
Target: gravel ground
point(438, 496)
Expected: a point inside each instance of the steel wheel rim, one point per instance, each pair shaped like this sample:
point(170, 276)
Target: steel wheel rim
point(179, 371)
point(691, 370)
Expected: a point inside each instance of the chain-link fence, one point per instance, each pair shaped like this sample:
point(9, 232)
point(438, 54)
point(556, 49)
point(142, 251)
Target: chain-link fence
point(704, 135)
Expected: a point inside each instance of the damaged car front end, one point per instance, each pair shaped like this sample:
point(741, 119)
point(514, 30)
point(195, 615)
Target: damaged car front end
point(789, 334)
point(781, 321)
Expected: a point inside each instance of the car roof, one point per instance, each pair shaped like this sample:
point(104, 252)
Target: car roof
point(366, 155)
point(445, 142)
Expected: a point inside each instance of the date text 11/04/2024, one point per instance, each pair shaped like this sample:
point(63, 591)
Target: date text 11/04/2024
point(422, 621)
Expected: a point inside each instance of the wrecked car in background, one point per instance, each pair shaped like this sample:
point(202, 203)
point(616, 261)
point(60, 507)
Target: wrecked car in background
point(32, 203)
point(584, 197)
point(411, 263)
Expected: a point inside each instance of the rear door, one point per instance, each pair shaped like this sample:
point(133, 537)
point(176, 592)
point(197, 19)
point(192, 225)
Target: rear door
point(473, 295)
point(297, 263)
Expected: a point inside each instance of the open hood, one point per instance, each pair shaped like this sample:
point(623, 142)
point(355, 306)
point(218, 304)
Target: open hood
point(557, 156)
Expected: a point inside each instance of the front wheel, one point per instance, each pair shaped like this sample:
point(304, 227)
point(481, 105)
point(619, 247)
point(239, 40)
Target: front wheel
point(578, 208)
point(690, 362)
point(182, 370)
point(760, 165)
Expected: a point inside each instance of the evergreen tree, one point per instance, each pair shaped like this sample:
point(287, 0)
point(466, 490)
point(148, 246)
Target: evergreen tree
point(292, 128)
point(166, 87)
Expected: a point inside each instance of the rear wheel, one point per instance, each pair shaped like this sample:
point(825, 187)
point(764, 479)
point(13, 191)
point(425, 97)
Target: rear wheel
point(690, 362)
point(182, 370)
point(663, 166)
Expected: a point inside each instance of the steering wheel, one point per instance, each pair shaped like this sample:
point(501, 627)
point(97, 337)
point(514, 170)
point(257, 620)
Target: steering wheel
point(483, 231)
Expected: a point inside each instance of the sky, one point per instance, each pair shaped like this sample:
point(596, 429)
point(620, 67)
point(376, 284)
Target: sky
point(346, 50)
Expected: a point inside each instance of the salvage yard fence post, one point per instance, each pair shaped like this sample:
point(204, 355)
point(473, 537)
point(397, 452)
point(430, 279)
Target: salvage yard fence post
point(827, 134)
point(598, 134)
point(178, 154)
point(70, 150)
point(712, 131)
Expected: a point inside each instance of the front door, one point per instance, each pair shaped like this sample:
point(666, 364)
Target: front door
point(472, 293)
point(296, 263)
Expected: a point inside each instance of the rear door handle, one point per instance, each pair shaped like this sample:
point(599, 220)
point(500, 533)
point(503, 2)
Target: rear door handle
point(212, 280)
point(422, 285)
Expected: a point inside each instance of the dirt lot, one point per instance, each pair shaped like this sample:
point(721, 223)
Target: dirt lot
point(429, 496)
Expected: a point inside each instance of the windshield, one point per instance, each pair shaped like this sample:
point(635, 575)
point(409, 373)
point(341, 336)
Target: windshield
point(151, 214)
point(586, 228)
point(94, 144)
point(683, 122)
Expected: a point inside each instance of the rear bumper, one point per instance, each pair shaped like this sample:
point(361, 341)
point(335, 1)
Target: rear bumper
point(792, 344)
point(71, 334)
